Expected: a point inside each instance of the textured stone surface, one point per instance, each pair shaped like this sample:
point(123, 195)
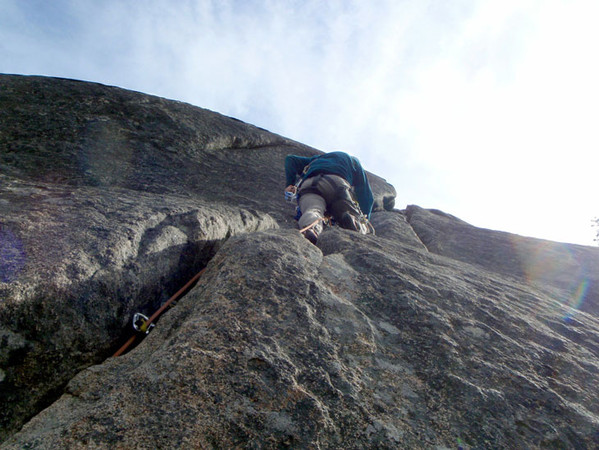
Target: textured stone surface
point(110, 201)
point(572, 268)
point(363, 343)
point(431, 334)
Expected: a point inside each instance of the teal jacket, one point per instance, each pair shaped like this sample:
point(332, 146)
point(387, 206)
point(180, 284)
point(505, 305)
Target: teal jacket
point(336, 163)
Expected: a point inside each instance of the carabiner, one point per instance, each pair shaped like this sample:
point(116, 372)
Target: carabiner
point(139, 323)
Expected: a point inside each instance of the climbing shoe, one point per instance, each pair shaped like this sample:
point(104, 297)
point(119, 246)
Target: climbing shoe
point(311, 235)
point(350, 222)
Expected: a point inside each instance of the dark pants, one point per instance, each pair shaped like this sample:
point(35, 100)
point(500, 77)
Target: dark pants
point(328, 193)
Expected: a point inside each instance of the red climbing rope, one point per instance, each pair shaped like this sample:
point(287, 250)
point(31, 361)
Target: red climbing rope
point(144, 327)
point(313, 224)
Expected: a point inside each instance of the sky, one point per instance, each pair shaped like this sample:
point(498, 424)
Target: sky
point(484, 109)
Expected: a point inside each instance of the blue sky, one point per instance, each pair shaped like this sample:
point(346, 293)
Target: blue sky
point(485, 109)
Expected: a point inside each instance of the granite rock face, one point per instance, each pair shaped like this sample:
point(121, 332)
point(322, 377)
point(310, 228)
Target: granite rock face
point(573, 269)
point(110, 200)
point(431, 334)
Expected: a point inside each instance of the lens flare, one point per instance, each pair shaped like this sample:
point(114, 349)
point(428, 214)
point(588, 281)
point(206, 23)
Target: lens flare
point(12, 255)
point(553, 263)
point(105, 158)
point(577, 299)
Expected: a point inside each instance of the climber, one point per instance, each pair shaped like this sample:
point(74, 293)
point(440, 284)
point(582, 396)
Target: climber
point(324, 183)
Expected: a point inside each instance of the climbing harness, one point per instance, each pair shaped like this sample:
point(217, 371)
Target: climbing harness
point(290, 196)
point(300, 179)
point(143, 325)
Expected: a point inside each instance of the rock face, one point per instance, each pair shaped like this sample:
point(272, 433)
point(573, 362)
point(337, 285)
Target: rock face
point(110, 201)
point(431, 334)
point(572, 268)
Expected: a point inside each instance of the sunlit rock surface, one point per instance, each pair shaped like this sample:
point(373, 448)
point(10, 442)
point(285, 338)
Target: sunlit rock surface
point(544, 264)
point(431, 334)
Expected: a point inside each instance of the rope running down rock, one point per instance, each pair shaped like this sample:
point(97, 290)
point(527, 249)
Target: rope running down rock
point(158, 312)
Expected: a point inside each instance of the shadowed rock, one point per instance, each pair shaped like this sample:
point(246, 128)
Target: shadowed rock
point(431, 334)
